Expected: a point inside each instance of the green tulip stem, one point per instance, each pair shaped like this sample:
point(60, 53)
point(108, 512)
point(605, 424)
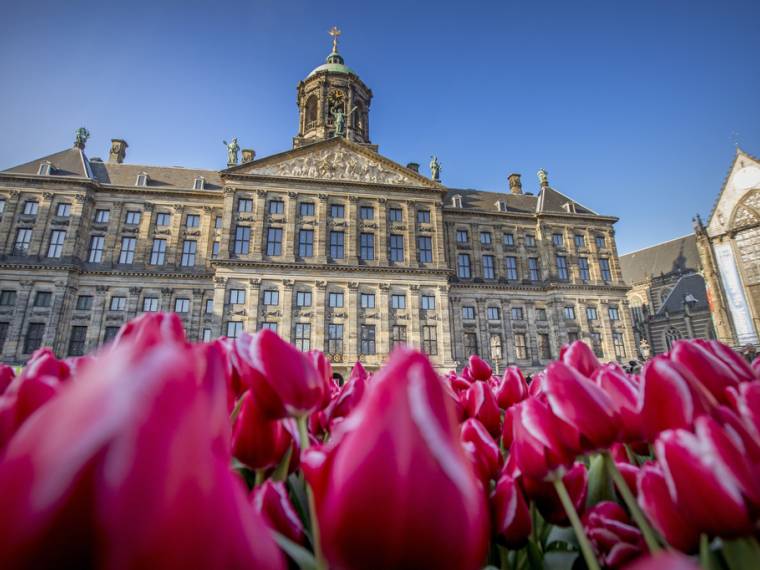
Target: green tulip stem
point(303, 433)
point(649, 536)
point(260, 477)
point(572, 514)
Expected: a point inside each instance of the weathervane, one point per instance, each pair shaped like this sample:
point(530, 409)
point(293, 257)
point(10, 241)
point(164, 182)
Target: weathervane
point(334, 32)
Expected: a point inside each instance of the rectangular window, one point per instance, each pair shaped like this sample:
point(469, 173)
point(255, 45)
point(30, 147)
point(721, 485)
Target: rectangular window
point(306, 242)
point(181, 305)
point(544, 348)
point(96, 249)
point(218, 221)
point(336, 245)
point(303, 298)
point(485, 238)
point(533, 271)
point(423, 216)
point(427, 302)
point(604, 265)
point(215, 250)
point(276, 206)
point(23, 239)
point(158, 252)
point(558, 240)
point(395, 215)
point(463, 266)
point(580, 241)
point(206, 336)
point(510, 265)
point(366, 213)
point(367, 337)
point(271, 298)
point(569, 313)
point(77, 340)
point(599, 242)
point(425, 249)
point(209, 306)
point(63, 210)
point(494, 314)
point(30, 208)
point(43, 299)
point(367, 300)
point(127, 254)
point(468, 312)
point(192, 221)
point(367, 246)
point(495, 344)
point(521, 347)
point(396, 247)
point(118, 303)
point(150, 304)
point(3, 334)
point(303, 337)
point(572, 336)
point(337, 211)
point(334, 339)
point(163, 219)
point(133, 217)
point(613, 312)
point(84, 302)
point(583, 268)
point(269, 325)
point(596, 344)
point(335, 299)
point(470, 343)
point(306, 208)
point(242, 243)
point(398, 336)
point(617, 343)
point(462, 236)
point(530, 240)
point(234, 328)
point(430, 340)
point(2, 210)
point(110, 334)
point(274, 241)
point(189, 248)
point(57, 237)
point(33, 339)
point(102, 216)
point(540, 314)
point(562, 268)
point(237, 297)
point(488, 271)
point(245, 205)
point(398, 301)
point(509, 239)
point(517, 313)
point(591, 314)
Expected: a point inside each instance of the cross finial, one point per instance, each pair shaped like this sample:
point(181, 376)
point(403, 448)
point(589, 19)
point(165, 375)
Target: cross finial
point(335, 32)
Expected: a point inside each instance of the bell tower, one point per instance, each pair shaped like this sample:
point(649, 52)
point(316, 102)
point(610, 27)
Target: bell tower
point(333, 102)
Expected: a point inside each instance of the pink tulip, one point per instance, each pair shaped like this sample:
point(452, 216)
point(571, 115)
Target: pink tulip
point(479, 368)
point(151, 329)
point(348, 397)
point(667, 401)
point(358, 371)
point(24, 397)
point(510, 516)
point(712, 372)
point(257, 441)
point(6, 377)
point(614, 537)
point(666, 560)
point(482, 449)
point(459, 384)
point(270, 499)
point(756, 367)
point(631, 474)
point(283, 380)
point(43, 363)
point(121, 470)
point(579, 402)
point(735, 361)
point(624, 395)
point(547, 501)
point(579, 355)
point(512, 388)
point(480, 403)
point(748, 407)
point(394, 488)
point(660, 508)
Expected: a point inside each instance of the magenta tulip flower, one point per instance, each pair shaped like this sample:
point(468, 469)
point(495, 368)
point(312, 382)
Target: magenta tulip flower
point(479, 368)
point(510, 516)
point(257, 441)
point(480, 403)
point(615, 538)
point(482, 449)
point(270, 499)
point(512, 388)
point(579, 355)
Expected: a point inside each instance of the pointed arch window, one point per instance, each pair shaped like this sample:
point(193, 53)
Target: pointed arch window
point(672, 335)
point(311, 111)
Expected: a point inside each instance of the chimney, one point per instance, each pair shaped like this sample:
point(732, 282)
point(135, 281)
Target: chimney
point(248, 155)
point(515, 185)
point(118, 151)
point(414, 166)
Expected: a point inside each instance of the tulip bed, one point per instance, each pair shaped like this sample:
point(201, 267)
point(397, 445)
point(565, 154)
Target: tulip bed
point(156, 452)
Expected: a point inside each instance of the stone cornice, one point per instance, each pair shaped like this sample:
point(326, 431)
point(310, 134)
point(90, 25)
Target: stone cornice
point(548, 287)
point(377, 186)
point(444, 273)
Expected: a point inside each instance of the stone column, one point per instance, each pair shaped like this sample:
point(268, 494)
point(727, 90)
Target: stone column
point(252, 312)
point(351, 238)
point(287, 310)
point(258, 230)
point(97, 321)
point(414, 312)
point(321, 230)
point(318, 310)
point(445, 327)
point(411, 241)
point(220, 293)
point(133, 302)
point(203, 255)
point(195, 318)
point(228, 218)
point(476, 259)
point(381, 251)
point(174, 241)
point(112, 242)
point(457, 331)
point(79, 211)
point(353, 323)
point(144, 245)
point(383, 306)
point(166, 300)
point(439, 241)
point(7, 225)
point(290, 228)
point(40, 232)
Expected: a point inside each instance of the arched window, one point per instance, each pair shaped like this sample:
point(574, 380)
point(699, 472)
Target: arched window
point(671, 335)
point(358, 118)
point(311, 112)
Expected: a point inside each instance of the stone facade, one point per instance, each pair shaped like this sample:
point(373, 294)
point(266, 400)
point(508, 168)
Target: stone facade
point(729, 249)
point(337, 247)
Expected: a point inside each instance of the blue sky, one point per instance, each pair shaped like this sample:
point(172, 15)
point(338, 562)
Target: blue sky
point(631, 106)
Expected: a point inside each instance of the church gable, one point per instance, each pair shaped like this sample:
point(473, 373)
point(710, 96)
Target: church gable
point(336, 160)
point(730, 210)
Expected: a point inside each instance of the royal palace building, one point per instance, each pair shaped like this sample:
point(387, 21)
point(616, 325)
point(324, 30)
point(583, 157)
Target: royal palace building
point(331, 244)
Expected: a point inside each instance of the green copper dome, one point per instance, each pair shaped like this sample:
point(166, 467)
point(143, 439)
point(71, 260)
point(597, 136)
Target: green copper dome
point(333, 63)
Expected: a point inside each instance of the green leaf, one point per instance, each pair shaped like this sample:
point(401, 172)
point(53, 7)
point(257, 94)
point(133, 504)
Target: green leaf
point(281, 473)
point(599, 482)
point(535, 558)
point(709, 558)
point(742, 554)
point(298, 553)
